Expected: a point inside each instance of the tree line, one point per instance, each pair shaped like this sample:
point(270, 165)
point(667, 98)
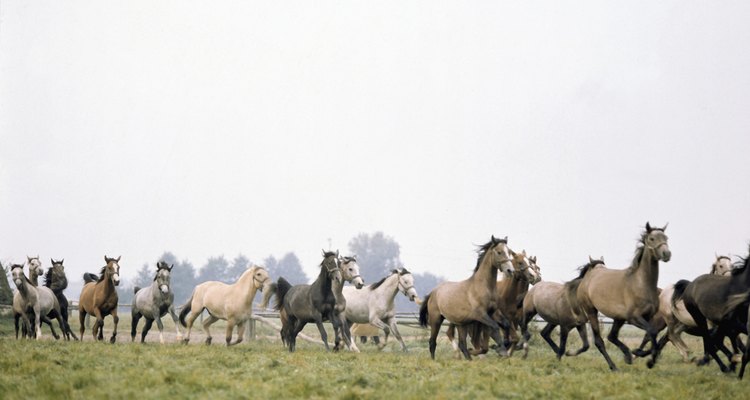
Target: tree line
point(377, 254)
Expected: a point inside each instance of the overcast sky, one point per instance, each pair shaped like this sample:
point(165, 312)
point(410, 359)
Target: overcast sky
point(219, 128)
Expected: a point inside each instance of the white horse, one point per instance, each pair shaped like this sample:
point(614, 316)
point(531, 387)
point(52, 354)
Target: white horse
point(40, 300)
point(374, 303)
point(233, 303)
point(154, 302)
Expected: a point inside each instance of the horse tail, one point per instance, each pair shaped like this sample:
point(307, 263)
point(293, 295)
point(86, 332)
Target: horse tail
point(186, 310)
point(282, 288)
point(423, 313)
point(88, 277)
point(679, 291)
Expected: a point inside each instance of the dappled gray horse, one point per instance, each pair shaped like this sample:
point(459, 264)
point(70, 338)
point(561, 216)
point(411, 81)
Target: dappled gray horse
point(154, 302)
point(40, 301)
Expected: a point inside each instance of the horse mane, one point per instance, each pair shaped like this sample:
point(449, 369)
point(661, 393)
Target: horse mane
point(102, 272)
point(588, 267)
point(326, 255)
point(348, 259)
point(639, 251)
point(741, 265)
point(380, 282)
point(48, 277)
point(404, 271)
point(482, 250)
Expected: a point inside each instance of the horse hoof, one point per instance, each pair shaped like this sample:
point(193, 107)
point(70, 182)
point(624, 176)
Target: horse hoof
point(208, 340)
point(650, 364)
point(185, 341)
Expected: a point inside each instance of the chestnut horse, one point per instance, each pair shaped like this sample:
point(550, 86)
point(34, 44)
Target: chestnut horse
point(99, 298)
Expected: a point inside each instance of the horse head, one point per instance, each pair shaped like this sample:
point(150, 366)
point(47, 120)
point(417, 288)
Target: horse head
point(112, 270)
point(521, 266)
point(163, 276)
point(501, 255)
point(406, 284)
point(55, 278)
point(331, 264)
point(261, 278)
point(35, 266)
point(536, 273)
point(350, 271)
point(656, 240)
point(16, 271)
point(722, 265)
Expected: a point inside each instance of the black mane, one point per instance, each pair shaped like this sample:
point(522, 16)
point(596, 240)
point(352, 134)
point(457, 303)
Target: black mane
point(482, 250)
point(588, 267)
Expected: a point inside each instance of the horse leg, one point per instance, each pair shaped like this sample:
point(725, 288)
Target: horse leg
point(564, 330)
point(347, 334)
point(653, 333)
point(525, 335)
point(451, 334)
point(354, 341)
point(494, 332)
point(640, 351)
point(396, 333)
point(135, 317)
point(146, 327)
point(176, 322)
point(160, 325)
point(190, 320)
point(545, 334)
point(16, 318)
point(65, 315)
point(292, 338)
point(377, 322)
point(116, 319)
point(462, 332)
point(231, 322)
point(598, 341)
point(241, 331)
point(674, 332)
point(322, 330)
point(38, 322)
point(613, 337)
point(206, 327)
point(82, 320)
point(435, 323)
point(746, 355)
point(584, 339)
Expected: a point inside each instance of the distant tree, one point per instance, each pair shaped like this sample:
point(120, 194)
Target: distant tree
point(288, 267)
point(377, 255)
point(216, 269)
point(6, 294)
point(144, 277)
point(239, 265)
point(125, 292)
point(183, 278)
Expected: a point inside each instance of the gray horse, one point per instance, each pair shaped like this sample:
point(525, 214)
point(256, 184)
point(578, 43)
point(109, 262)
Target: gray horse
point(154, 302)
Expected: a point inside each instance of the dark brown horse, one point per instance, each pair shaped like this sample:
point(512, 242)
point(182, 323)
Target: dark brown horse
point(57, 281)
point(468, 301)
point(628, 295)
point(99, 298)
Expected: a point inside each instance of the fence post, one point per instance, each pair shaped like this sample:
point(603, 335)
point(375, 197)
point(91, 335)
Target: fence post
point(250, 335)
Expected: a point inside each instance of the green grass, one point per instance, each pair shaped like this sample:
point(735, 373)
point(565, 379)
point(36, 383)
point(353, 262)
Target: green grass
point(264, 369)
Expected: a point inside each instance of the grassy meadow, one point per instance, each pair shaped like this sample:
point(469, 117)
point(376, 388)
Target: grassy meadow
point(264, 369)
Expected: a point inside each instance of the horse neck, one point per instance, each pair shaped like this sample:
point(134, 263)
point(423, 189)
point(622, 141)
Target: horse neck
point(486, 275)
point(27, 288)
point(322, 282)
point(647, 270)
point(58, 284)
point(242, 282)
point(106, 283)
point(34, 277)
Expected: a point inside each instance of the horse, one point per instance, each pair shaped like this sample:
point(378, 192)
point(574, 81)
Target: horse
point(374, 304)
point(557, 304)
point(154, 302)
point(29, 298)
point(349, 273)
point(676, 319)
point(469, 300)
point(300, 304)
point(99, 298)
point(721, 301)
point(629, 295)
point(510, 294)
point(57, 281)
point(230, 302)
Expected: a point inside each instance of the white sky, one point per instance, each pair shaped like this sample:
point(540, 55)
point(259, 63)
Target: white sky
point(207, 128)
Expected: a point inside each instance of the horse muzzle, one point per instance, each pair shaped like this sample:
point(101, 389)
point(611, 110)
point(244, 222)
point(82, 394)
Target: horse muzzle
point(164, 289)
point(18, 282)
point(359, 283)
point(666, 255)
point(116, 279)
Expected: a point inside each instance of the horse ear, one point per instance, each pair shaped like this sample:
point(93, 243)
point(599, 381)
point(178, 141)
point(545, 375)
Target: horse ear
point(172, 266)
point(106, 259)
point(523, 252)
point(590, 259)
point(28, 258)
point(324, 252)
point(493, 240)
point(648, 227)
point(118, 258)
point(506, 239)
point(665, 227)
point(51, 261)
point(602, 258)
point(716, 255)
point(62, 261)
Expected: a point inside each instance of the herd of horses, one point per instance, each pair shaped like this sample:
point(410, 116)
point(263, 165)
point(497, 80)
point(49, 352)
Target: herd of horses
point(504, 293)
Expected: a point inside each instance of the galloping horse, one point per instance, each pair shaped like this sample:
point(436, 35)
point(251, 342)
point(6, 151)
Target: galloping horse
point(40, 301)
point(374, 304)
point(721, 301)
point(154, 302)
point(300, 304)
point(233, 303)
point(557, 304)
point(99, 297)
point(628, 295)
point(349, 273)
point(56, 281)
point(510, 292)
point(470, 300)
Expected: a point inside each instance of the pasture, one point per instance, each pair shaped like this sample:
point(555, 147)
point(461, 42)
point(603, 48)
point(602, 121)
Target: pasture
point(264, 369)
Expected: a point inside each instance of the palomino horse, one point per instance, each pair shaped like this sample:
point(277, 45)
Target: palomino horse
point(40, 301)
point(56, 281)
point(676, 319)
point(99, 298)
point(374, 304)
point(510, 293)
point(721, 301)
point(628, 295)
point(470, 300)
point(557, 304)
point(233, 303)
point(349, 273)
point(300, 304)
point(154, 302)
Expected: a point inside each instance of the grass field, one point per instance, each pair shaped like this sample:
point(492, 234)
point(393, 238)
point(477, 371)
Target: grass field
point(263, 369)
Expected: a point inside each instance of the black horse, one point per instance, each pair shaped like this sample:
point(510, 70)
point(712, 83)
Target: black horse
point(300, 304)
point(724, 302)
point(56, 280)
